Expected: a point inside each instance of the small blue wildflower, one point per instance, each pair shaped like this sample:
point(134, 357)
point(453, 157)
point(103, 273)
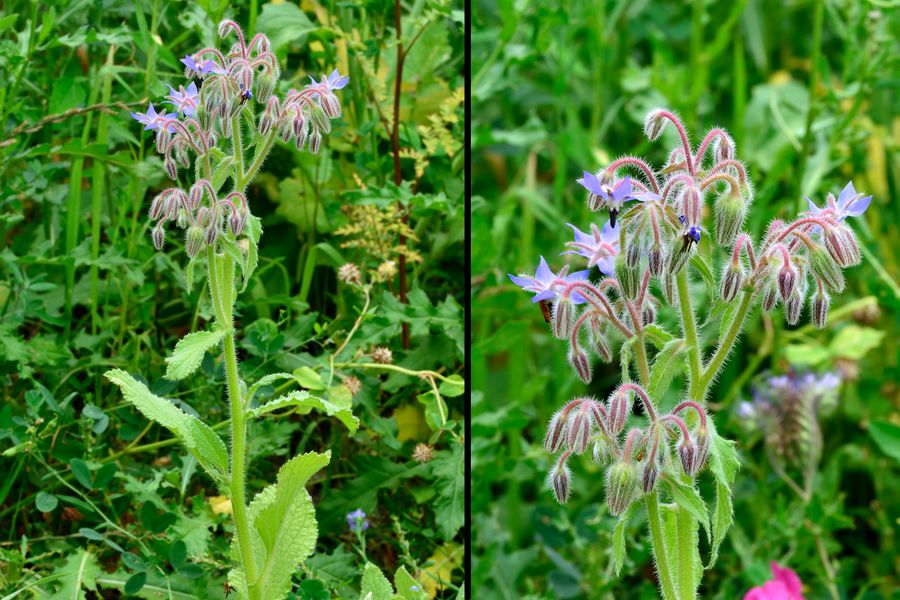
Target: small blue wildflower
point(546, 284)
point(599, 247)
point(614, 197)
point(199, 70)
point(357, 520)
point(849, 203)
point(694, 233)
point(245, 94)
point(333, 82)
point(185, 101)
point(153, 120)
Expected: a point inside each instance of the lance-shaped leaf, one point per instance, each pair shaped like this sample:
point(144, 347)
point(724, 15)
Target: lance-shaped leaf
point(283, 529)
point(200, 439)
point(302, 399)
point(723, 463)
point(189, 353)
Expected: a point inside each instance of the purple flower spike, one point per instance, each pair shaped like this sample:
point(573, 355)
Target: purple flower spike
point(185, 101)
point(600, 247)
point(547, 285)
point(153, 120)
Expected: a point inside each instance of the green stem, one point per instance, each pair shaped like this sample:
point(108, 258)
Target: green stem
point(245, 178)
point(689, 326)
point(223, 295)
point(659, 546)
point(686, 555)
point(727, 342)
point(238, 147)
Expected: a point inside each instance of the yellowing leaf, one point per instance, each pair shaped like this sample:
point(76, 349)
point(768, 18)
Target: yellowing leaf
point(220, 505)
point(435, 574)
point(411, 424)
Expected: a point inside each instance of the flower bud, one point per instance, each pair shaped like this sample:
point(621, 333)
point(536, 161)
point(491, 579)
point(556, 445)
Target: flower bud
point(654, 124)
point(787, 277)
point(579, 429)
point(315, 141)
point(223, 27)
point(687, 452)
point(701, 443)
point(826, 269)
point(156, 207)
point(599, 339)
point(580, 363)
point(649, 475)
point(301, 138)
point(265, 84)
point(171, 169)
point(563, 318)
point(602, 451)
point(679, 258)
point(320, 121)
point(556, 433)
point(619, 409)
point(770, 299)
point(730, 212)
point(628, 278)
point(732, 279)
point(196, 196)
point(212, 233)
point(194, 240)
point(560, 478)
point(159, 236)
point(656, 260)
point(183, 219)
point(648, 314)
point(793, 307)
point(621, 487)
point(723, 149)
point(170, 207)
point(842, 246)
point(633, 255)
point(235, 223)
point(670, 291)
point(820, 305)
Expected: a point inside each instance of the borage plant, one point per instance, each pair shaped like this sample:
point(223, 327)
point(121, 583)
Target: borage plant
point(215, 126)
point(659, 240)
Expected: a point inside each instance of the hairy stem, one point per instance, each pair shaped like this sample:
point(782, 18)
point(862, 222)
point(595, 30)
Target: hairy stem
point(686, 555)
point(696, 390)
point(727, 342)
point(659, 546)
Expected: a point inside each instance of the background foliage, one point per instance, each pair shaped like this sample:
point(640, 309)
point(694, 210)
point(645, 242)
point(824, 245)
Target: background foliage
point(92, 497)
point(808, 89)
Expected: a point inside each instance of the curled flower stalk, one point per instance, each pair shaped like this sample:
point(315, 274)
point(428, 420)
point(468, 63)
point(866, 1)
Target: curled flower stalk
point(645, 255)
point(229, 106)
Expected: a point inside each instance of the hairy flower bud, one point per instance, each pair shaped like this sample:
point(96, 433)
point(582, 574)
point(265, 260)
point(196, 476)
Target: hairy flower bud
point(656, 260)
point(579, 429)
point(602, 451)
point(687, 452)
point(825, 268)
point(235, 223)
point(628, 278)
point(633, 255)
point(648, 314)
point(156, 207)
point(212, 233)
point(654, 124)
point(194, 240)
point(621, 487)
point(842, 246)
point(619, 409)
point(556, 433)
point(769, 299)
point(819, 309)
point(196, 196)
point(315, 142)
point(787, 277)
point(793, 307)
point(670, 291)
point(580, 363)
point(723, 149)
point(678, 258)
point(730, 212)
point(159, 236)
point(560, 478)
point(649, 475)
point(171, 169)
point(732, 279)
point(601, 346)
point(563, 318)
point(265, 84)
point(701, 442)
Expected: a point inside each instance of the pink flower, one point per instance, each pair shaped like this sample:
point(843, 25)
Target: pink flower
point(785, 585)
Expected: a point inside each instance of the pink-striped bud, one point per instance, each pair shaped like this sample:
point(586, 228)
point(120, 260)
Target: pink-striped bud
point(579, 429)
point(598, 337)
point(687, 452)
point(556, 433)
point(602, 451)
point(656, 260)
point(793, 308)
point(619, 409)
point(170, 207)
point(730, 212)
point(654, 124)
point(787, 277)
point(732, 279)
point(633, 254)
point(701, 442)
point(841, 245)
point(196, 196)
point(826, 269)
point(648, 314)
point(723, 149)
point(628, 278)
point(315, 142)
point(649, 475)
point(819, 309)
point(171, 169)
point(212, 233)
point(580, 363)
point(563, 318)
point(560, 478)
point(194, 240)
point(159, 236)
point(156, 207)
point(769, 299)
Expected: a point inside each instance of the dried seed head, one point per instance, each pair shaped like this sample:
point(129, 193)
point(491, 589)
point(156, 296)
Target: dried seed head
point(353, 384)
point(382, 355)
point(621, 487)
point(349, 273)
point(423, 453)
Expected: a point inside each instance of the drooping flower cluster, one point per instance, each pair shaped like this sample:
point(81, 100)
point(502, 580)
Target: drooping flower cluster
point(655, 228)
point(634, 460)
point(786, 408)
point(216, 100)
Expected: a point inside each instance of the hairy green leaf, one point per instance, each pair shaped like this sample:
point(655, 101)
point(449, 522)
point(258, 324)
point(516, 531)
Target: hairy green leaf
point(688, 497)
point(407, 587)
point(723, 463)
point(667, 364)
point(619, 538)
point(77, 574)
point(450, 502)
point(189, 353)
point(254, 233)
point(303, 400)
point(375, 585)
point(200, 439)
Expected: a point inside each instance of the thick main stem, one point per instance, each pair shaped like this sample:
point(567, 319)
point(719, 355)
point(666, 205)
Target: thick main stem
point(696, 390)
point(686, 555)
point(659, 546)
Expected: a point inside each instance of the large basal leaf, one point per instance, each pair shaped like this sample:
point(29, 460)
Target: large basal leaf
point(77, 574)
point(198, 437)
point(283, 529)
point(189, 353)
point(302, 399)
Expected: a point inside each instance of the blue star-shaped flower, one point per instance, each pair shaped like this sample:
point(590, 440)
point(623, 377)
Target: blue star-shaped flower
point(547, 285)
point(153, 120)
point(185, 101)
point(600, 247)
point(849, 203)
